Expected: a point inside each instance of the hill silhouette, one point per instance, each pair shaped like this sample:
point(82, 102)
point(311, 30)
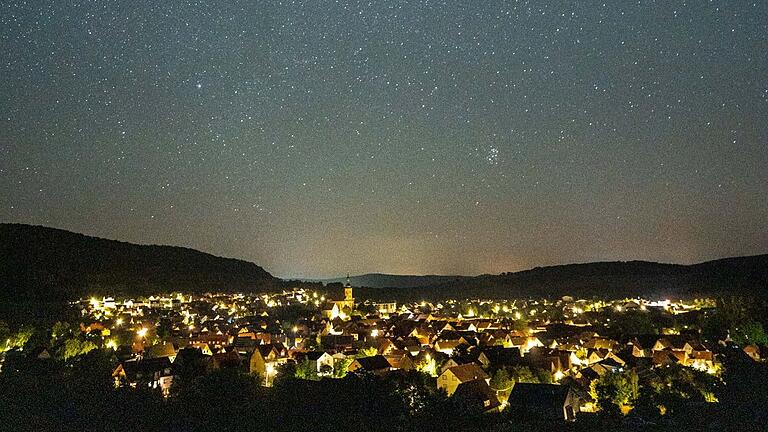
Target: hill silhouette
point(383, 280)
point(46, 264)
point(729, 276)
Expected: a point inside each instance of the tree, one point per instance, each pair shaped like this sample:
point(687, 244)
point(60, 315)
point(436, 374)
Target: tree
point(59, 330)
point(5, 335)
point(544, 376)
point(523, 374)
point(306, 370)
point(367, 352)
point(366, 309)
point(428, 365)
point(74, 347)
point(749, 332)
point(582, 353)
point(615, 390)
point(164, 328)
point(632, 323)
point(520, 324)
point(501, 380)
point(341, 367)
point(223, 399)
point(21, 338)
point(285, 372)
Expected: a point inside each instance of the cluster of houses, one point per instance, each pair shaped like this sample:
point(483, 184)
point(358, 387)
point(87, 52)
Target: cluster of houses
point(461, 352)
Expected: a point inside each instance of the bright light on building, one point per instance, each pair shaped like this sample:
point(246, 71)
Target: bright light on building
point(141, 332)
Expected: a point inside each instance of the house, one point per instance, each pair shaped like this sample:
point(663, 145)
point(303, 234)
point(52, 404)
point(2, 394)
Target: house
point(225, 360)
point(545, 361)
point(498, 356)
point(387, 308)
point(41, 353)
point(402, 361)
point(191, 362)
point(478, 395)
point(642, 345)
point(669, 357)
point(165, 349)
point(331, 311)
point(377, 364)
point(337, 342)
point(753, 351)
point(245, 344)
point(386, 346)
point(450, 379)
point(203, 347)
point(599, 355)
point(701, 360)
point(524, 343)
point(601, 344)
point(448, 346)
point(544, 401)
point(153, 372)
point(674, 343)
point(321, 361)
point(265, 358)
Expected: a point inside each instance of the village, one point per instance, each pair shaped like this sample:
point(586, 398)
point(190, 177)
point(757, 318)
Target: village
point(557, 359)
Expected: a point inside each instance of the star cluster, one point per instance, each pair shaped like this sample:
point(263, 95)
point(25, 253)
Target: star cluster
point(319, 137)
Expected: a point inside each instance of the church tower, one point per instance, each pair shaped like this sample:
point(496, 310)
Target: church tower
point(348, 291)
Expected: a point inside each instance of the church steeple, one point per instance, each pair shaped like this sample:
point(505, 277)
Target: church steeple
point(348, 291)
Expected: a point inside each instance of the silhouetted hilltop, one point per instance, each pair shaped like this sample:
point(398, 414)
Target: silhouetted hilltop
point(42, 264)
point(382, 280)
point(729, 276)
point(39, 263)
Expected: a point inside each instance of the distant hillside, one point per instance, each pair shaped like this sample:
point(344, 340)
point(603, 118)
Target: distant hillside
point(381, 280)
point(39, 263)
point(730, 276)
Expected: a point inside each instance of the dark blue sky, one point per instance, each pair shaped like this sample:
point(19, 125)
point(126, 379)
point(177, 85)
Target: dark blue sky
point(320, 137)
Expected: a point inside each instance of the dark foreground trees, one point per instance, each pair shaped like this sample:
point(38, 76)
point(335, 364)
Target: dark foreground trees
point(79, 395)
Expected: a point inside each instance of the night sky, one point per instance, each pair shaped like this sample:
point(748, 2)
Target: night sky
point(455, 137)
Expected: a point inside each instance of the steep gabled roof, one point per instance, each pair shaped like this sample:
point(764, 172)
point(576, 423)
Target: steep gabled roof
point(315, 355)
point(479, 393)
point(538, 395)
point(467, 372)
point(374, 363)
